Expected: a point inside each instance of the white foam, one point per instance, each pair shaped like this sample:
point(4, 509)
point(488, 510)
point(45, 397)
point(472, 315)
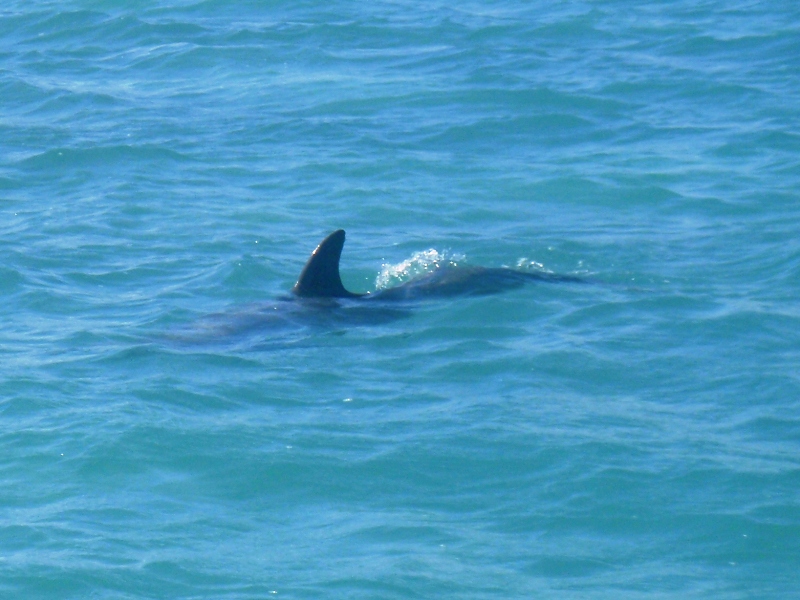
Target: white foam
point(417, 264)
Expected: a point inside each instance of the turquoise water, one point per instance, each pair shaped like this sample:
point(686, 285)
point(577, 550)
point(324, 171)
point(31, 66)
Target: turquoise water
point(164, 174)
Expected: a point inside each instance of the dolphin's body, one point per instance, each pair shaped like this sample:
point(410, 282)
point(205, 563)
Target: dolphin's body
point(320, 278)
point(319, 300)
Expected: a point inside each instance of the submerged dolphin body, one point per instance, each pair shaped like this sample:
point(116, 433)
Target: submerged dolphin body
point(320, 278)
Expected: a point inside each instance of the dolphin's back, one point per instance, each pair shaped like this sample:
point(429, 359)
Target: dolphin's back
point(320, 278)
point(448, 281)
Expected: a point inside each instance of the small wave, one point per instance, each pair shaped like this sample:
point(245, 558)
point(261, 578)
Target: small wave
point(100, 156)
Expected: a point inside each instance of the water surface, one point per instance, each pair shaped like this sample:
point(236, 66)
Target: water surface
point(165, 170)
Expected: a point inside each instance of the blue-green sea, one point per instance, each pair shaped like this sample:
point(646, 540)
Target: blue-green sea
point(166, 168)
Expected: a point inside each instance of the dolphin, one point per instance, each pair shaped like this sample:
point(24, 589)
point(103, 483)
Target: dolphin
point(319, 300)
point(320, 278)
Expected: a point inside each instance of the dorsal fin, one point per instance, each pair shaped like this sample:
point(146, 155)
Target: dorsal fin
point(320, 277)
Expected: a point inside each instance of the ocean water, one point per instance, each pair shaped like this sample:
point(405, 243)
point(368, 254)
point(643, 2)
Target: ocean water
point(165, 171)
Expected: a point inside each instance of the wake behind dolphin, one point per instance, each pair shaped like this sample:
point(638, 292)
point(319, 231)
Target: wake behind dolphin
point(320, 278)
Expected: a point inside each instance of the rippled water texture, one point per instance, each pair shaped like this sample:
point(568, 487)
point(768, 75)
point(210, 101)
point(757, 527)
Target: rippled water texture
point(165, 171)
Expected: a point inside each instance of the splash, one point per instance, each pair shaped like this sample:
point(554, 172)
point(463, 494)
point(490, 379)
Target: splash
point(523, 264)
point(418, 264)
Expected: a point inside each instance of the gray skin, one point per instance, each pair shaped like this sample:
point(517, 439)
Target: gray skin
point(320, 278)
